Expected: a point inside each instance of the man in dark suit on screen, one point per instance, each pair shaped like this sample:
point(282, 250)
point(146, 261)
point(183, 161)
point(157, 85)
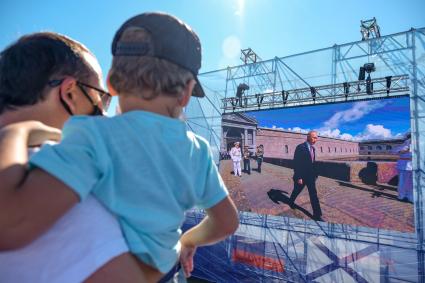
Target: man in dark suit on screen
point(305, 173)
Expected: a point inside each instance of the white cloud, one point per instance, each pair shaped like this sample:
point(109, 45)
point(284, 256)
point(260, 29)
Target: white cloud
point(372, 132)
point(298, 130)
point(335, 133)
point(346, 137)
point(359, 110)
point(274, 127)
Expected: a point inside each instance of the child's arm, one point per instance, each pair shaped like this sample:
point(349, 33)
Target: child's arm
point(30, 201)
point(221, 221)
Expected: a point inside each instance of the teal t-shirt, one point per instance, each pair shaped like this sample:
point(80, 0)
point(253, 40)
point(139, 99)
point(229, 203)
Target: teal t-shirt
point(147, 169)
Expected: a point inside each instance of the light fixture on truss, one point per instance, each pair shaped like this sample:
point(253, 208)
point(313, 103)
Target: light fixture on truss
point(388, 80)
point(259, 99)
point(369, 68)
point(313, 92)
point(346, 87)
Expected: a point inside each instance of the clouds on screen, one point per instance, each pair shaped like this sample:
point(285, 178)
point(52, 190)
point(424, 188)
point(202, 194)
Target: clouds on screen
point(356, 112)
point(370, 132)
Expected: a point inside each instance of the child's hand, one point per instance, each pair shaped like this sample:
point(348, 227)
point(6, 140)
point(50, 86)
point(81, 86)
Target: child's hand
point(186, 259)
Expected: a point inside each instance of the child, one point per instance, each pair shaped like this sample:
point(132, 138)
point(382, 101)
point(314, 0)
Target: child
point(143, 165)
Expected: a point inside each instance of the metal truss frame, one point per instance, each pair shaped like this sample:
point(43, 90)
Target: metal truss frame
point(400, 56)
point(380, 88)
point(276, 84)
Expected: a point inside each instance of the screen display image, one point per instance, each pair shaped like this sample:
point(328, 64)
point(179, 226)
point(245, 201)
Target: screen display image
point(347, 163)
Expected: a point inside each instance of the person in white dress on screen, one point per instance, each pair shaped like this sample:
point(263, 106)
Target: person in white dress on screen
point(236, 156)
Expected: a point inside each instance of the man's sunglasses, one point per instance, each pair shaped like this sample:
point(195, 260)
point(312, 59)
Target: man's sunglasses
point(104, 96)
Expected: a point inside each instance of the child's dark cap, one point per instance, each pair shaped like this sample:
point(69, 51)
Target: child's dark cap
point(173, 41)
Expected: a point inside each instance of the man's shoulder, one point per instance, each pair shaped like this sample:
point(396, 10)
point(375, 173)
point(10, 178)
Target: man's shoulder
point(301, 145)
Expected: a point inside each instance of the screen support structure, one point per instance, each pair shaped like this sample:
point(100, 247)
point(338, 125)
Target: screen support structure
point(290, 79)
point(330, 75)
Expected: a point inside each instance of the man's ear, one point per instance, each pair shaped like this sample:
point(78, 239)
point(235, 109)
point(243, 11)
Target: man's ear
point(187, 93)
point(111, 89)
point(68, 93)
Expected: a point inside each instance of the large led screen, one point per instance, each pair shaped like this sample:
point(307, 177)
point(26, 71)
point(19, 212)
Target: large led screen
point(357, 172)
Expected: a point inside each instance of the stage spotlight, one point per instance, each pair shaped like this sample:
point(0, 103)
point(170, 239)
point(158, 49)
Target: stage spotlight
point(369, 67)
point(259, 99)
point(369, 85)
point(388, 79)
point(284, 96)
point(362, 74)
point(313, 92)
point(240, 91)
point(346, 89)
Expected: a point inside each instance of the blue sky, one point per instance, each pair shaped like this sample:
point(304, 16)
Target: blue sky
point(377, 119)
point(271, 27)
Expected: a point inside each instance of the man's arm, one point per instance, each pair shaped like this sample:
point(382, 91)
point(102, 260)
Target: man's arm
point(30, 201)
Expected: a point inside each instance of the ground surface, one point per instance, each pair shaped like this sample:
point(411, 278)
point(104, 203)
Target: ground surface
point(341, 202)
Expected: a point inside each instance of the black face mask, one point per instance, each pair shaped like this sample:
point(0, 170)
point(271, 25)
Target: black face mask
point(96, 110)
point(65, 106)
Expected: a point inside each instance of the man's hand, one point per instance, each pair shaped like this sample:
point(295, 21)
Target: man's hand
point(186, 259)
point(35, 132)
point(39, 133)
point(300, 181)
point(26, 196)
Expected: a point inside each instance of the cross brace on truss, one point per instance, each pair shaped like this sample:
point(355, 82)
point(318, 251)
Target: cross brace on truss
point(369, 28)
point(249, 56)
